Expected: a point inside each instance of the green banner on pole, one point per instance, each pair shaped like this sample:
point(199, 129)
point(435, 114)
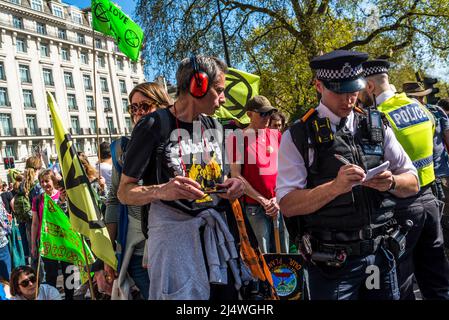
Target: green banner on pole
point(108, 19)
point(240, 87)
point(58, 241)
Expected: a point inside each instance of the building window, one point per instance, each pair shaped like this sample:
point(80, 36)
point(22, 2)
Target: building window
point(36, 5)
point(62, 34)
point(68, 80)
point(76, 17)
point(21, 45)
point(101, 61)
point(40, 28)
point(135, 84)
point(10, 150)
point(84, 57)
point(28, 101)
point(107, 104)
point(110, 124)
point(128, 124)
point(17, 22)
point(71, 101)
point(125, 105)
point(57, 11)
point(45, 50)
point(31, 124)
point(65, 55)
point(48, 77)
point(90, 103)
point(81, 38)
point(104, 85)
point(120, 64)
point(93, 124)
point(75, 124)
point(4, 101)
point(24, 73)
point(15, 1)
point(2, 71)
point(87, 82)
point(122, 86)
point(5, 122)
point(98, 44)
point(134, 67)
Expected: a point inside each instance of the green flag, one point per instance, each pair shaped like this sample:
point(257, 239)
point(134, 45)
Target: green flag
point(108, 19)
point(240, 87)
point(58, 241)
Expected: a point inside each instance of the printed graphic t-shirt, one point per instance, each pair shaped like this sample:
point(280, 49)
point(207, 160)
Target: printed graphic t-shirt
point(201, 150)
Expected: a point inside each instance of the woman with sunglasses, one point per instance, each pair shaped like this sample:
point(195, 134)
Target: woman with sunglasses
point(23, 286)
point(145, 98)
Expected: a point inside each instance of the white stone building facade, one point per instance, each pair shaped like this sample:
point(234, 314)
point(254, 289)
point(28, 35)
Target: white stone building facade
point(47, 45)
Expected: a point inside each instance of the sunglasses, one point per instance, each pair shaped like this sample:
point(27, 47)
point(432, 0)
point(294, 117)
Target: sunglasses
point(25, 283)
point(144, 106)
point(266, 113)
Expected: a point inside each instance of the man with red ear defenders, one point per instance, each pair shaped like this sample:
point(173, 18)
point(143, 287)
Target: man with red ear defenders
point(178, 154)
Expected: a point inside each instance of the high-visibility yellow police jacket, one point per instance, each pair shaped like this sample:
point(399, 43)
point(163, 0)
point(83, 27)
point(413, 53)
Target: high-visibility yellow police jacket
point(413, 126)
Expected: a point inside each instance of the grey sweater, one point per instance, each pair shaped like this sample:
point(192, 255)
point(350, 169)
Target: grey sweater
point(177, 267)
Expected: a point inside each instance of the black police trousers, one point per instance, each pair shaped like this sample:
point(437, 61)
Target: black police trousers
point(424, 255)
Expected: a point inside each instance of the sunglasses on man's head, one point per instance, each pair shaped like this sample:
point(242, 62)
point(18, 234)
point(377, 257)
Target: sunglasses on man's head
point(266, 113)
point(25, 283)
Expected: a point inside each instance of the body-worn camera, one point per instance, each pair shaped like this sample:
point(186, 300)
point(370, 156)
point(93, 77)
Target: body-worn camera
point(323, 130)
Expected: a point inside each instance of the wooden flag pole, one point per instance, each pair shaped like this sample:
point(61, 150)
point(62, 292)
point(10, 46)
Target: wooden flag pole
point(277, 239)
point(91, 286)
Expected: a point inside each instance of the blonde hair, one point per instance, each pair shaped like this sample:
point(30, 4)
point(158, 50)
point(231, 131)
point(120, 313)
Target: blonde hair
point(32, 166)
point(91, 172)
point(154, 92)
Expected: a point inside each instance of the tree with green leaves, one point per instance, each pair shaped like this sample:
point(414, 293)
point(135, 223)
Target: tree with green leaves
point(277, 38)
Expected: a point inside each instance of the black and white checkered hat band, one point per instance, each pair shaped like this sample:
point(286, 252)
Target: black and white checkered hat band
point(374, 70)
point(345, 73)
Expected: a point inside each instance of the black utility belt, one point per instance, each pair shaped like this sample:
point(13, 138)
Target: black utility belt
point(346, 236)
point(359, 248)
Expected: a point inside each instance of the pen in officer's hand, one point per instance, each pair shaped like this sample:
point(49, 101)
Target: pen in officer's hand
point(341, 158)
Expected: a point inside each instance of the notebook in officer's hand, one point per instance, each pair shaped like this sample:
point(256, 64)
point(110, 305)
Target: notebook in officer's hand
point(373, 171)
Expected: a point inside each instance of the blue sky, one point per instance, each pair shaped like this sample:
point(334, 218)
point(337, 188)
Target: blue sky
point(128, 6)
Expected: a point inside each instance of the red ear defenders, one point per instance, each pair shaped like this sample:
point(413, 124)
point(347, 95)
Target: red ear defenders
point(199, 82)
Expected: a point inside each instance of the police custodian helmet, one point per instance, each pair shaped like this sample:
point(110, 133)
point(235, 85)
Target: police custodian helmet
point(340, 71)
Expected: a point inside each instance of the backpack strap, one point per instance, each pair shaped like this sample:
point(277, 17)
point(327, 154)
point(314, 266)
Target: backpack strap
point(165, 127)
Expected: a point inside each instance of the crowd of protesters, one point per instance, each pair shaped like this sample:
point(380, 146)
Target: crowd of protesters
point(170, 194)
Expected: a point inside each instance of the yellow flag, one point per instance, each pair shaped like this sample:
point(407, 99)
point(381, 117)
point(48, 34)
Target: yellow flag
point(240, 87)
point(84, 212)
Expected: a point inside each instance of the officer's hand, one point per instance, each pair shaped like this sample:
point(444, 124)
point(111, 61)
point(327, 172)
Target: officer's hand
point(381, 181)
point(235, 188)
point(271, 207)
point(180, 188)
point(348, 175)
